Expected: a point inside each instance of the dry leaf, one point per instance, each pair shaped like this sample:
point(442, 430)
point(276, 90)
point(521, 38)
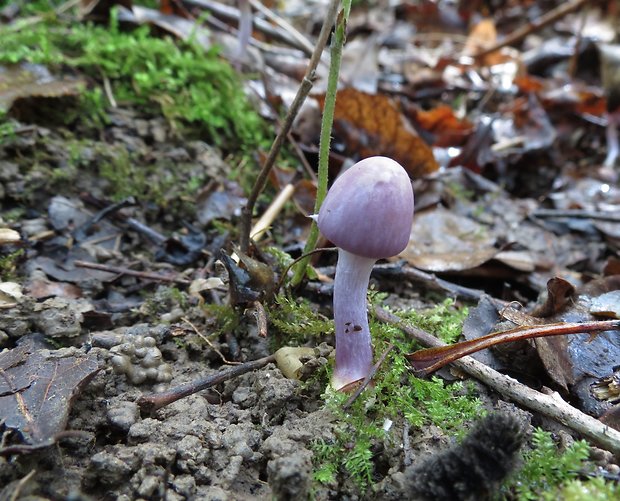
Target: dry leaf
point(373, 125)
point(445, 126)
point(37, 388)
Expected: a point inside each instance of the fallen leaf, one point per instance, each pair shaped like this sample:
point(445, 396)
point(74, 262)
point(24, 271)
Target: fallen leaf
point(373, 125)
point(37, 387)
point(444, 125)
point(25, 81)
point(442, 241)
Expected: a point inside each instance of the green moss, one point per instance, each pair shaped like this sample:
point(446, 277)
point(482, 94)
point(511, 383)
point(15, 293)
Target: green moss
point(595, 489)
point(185, 82)
point(397, 396)
point(444, 321)
point(546, 470)
point(295, 321)
point(8, 265)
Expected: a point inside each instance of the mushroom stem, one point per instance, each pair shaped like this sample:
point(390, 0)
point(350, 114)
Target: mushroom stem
point(353, 343)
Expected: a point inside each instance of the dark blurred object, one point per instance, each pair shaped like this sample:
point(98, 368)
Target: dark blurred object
point(473, 469)
point(610, 76)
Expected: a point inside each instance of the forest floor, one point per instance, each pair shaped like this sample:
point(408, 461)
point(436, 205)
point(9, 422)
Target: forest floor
point(128, 146)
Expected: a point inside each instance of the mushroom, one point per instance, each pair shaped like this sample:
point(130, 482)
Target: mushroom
point(367, 213)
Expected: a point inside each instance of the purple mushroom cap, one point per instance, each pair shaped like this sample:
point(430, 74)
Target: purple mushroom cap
point(368, 210)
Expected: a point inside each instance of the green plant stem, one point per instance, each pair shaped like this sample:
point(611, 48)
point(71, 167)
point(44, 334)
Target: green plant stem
point(302, 92)
point(327, 122)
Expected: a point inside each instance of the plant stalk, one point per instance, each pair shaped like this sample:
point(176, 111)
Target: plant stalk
point(302, 92)
point(325, 138)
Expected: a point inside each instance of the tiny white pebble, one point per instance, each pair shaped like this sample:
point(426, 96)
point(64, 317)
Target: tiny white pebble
point(387, 424)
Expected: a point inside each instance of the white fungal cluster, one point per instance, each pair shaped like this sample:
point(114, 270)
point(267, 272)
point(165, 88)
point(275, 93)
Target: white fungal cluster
point(140, 360)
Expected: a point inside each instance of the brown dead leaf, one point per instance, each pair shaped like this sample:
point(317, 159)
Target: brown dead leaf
point(443, 241)
point(26, 81)
point(445, 126)
point(529, 83)
point(482, 36)
point(37, 387)
point(373, 125)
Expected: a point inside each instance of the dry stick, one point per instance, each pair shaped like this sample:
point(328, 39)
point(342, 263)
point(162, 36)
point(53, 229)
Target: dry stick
point(551, 405)
point(576, 214)
point(302, 92)
point(550, 17)
point(230, 13)
point(285, 25)
point(264, 223)
point(150, 403)
point(126, 271)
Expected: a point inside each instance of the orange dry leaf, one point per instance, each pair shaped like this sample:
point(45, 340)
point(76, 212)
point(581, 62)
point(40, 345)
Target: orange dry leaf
point(482, 36)
point(529, 83)
point(373, 125)
point(447, 128)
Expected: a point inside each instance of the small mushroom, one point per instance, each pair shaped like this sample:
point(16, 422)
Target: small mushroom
point(368, 213)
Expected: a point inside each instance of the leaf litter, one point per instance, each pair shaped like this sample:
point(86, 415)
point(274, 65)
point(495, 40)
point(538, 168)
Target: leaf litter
point(516, 197)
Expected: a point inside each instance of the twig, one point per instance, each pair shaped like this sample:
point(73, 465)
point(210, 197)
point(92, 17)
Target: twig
point(327, 122)
point(548, 18)
point(263, 224)
point(577, 214)
point(285, 25)
point(126, 271)
point(232, 14)
point(551, 405)
point(302, 92)
point(261, 318)
point(150, 403)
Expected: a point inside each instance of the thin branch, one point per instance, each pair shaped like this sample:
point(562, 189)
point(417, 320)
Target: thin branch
point(548, 18)
point(127, 271)
point(150, 403)
point(576, 214)
point(302, 92)
point(551, 405)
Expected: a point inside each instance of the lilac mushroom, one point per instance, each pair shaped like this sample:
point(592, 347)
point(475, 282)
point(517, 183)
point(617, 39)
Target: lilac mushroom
point(367, 213)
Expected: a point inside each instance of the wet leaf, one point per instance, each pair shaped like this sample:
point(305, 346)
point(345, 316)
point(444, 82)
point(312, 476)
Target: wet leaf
point(559, 293)
point(37, 388)
point(219, 203)
point(373, 125)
